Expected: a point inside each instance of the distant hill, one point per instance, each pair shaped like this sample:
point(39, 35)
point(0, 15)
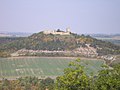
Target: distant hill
point(75, 44)
point(113, 38)
point(116, 36)
point(14, 34)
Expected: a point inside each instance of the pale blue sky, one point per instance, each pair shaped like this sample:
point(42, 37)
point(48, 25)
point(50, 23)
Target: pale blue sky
point(82, 16)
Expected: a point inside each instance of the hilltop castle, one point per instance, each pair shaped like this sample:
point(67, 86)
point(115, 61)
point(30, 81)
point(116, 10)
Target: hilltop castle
point(57, 32)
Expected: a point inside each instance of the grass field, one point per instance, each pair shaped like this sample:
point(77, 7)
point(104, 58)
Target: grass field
point(41, 67)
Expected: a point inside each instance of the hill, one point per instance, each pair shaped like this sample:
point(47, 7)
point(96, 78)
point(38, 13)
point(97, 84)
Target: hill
point(113, 38)
point(59, 45)
point(14, 34)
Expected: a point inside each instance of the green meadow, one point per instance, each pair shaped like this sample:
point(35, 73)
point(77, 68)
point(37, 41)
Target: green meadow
point(42, 67)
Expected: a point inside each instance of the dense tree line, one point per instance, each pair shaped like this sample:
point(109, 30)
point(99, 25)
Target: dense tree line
point(27, 83)
point(5, 40)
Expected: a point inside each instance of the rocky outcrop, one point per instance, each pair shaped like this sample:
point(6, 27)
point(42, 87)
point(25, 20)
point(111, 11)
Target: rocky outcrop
point(81, 51)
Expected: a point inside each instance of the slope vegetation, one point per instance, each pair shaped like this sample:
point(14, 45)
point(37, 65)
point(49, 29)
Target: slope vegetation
point(50, 42)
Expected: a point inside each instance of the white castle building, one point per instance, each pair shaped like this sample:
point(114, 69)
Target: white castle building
point(57, 32)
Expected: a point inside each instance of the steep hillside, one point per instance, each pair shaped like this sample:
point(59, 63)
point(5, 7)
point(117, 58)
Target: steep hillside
point(79, 44)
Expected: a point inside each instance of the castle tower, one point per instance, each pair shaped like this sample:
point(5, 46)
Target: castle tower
point(68, 29)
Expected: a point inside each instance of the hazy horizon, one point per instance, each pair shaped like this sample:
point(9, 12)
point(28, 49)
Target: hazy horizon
point(82, 16)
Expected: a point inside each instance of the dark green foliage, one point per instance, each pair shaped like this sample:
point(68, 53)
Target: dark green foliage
point(106, 47)
point(74, 78)
point(6, 85)
point(27, 83)
point(109, 79)
point(47, 83)
point(4, 40)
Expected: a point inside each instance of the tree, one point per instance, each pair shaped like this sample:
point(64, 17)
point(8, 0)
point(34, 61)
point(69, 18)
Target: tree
point(74, 78)
point(109, 78)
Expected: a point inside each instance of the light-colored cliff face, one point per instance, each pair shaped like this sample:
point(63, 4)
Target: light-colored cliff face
point(82, 51)
point(87, 51)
